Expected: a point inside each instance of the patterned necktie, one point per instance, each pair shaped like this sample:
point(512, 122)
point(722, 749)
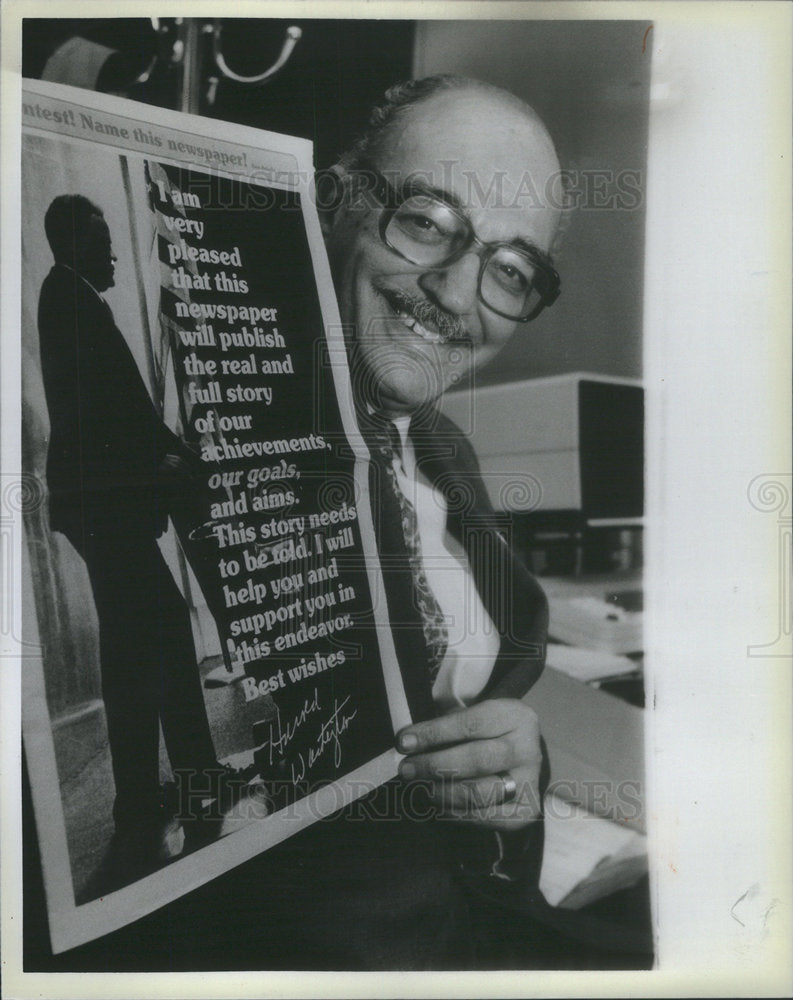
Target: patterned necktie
point(385, 442)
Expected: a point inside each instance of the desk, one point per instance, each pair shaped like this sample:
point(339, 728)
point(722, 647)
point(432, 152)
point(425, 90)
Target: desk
point(596, 749)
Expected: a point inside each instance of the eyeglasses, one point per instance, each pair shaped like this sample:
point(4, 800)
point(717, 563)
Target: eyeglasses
point(424, 229)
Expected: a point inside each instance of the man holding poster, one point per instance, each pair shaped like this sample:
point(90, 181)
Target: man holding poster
point(317, 532)
point(439, 257)
point(433, 275)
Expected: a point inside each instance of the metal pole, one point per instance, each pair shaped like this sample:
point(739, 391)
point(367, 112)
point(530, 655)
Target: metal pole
point(189, 93)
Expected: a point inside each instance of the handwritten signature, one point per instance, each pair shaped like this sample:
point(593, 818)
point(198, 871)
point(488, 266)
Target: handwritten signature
point(282, 734)
point(329, 733)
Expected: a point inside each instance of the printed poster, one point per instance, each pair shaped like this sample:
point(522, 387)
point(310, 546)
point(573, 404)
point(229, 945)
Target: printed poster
point(213, 669)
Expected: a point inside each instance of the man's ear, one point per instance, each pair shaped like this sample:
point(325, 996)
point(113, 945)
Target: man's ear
point(332, 188)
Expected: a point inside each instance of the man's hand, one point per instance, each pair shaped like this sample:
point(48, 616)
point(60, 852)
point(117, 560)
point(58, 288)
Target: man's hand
point(183, 461)
point(173, 464)
point(461, 755)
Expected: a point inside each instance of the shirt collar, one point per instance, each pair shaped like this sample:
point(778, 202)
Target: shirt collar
point(402, 425)
point(74, 271)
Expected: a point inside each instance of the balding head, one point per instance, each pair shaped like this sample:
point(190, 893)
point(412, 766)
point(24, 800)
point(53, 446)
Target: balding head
point(403, 97)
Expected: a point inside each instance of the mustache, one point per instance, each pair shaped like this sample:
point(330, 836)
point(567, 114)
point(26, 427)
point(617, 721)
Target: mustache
point(448, 326)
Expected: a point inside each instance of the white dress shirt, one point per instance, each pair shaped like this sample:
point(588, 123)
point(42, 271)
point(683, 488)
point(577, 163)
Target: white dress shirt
point(473, 639)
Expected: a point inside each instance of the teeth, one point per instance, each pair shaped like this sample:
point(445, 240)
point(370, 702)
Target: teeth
point(413, 324)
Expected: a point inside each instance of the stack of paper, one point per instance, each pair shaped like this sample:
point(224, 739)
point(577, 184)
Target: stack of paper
point(595, 623)
point(587, 665)
point(587, 857)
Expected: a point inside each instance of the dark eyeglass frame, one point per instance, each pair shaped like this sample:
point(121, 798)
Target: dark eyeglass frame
point(391, 199)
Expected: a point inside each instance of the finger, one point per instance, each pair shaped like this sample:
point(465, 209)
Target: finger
point(481, 801)
point(483, 793)
point(474, 759)
point(478, 722)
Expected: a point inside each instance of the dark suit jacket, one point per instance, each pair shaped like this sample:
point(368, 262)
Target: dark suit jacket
point(106, 440)
point(510, 594)
point(518, 608)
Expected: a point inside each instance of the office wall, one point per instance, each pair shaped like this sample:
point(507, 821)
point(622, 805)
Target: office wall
point(589, 80)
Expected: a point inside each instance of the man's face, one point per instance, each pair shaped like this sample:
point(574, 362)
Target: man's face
point(96, 260)
point(494, 162)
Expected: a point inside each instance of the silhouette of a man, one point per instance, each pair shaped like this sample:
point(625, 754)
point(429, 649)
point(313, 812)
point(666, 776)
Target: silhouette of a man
point(110, 461)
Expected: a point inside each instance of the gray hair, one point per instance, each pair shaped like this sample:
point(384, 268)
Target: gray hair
point(399, 99)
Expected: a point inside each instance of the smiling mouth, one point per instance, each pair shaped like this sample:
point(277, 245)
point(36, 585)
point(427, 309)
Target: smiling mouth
point(405, 309)
point(413, 324)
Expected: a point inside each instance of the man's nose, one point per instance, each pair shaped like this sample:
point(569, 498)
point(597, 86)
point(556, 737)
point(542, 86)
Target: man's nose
point(454, 287)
